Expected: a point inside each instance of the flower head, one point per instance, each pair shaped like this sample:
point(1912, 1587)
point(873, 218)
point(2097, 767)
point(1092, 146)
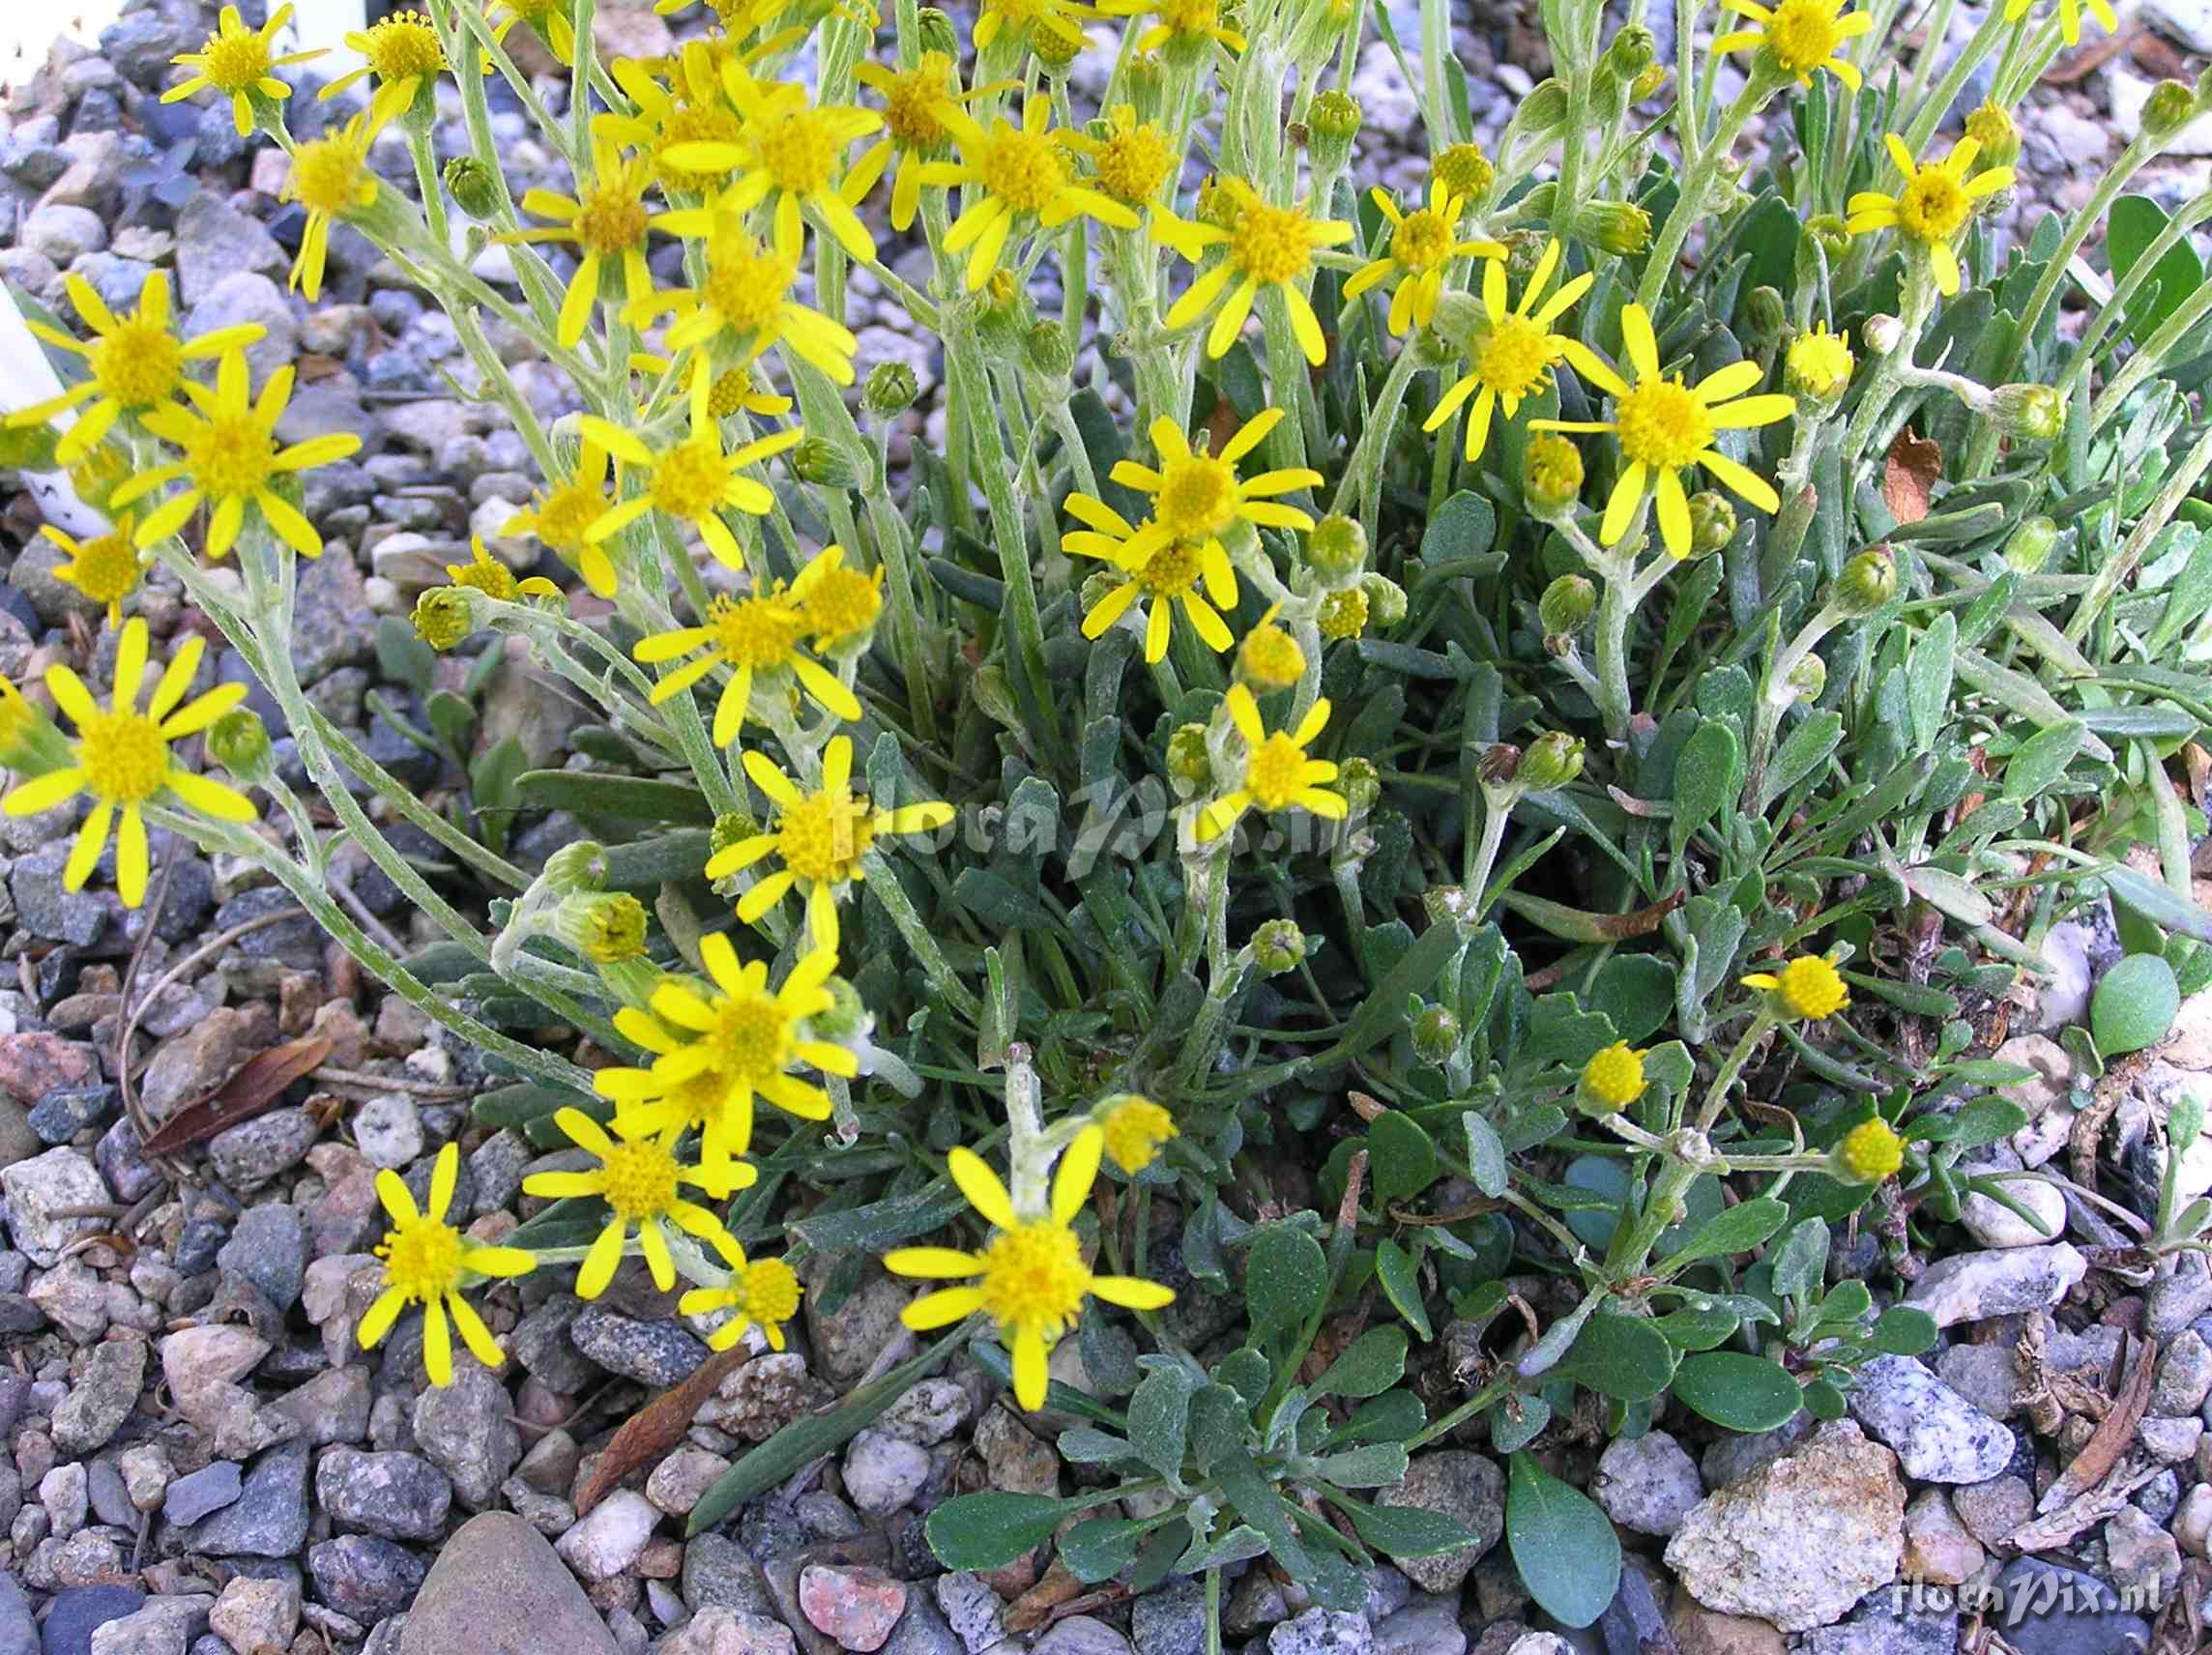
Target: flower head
point(1270, 657)
point(719, 1045)
point(137, 363)
point(2069, 17)
point(1666, 425)
point(1278, 774)
point(840, 605)
point(1933, 206)
point(1800, 36)
point(820, 837)
point(746, 292)
point(1015, 177)
point(1869, 1152)
point(918, 103)
point(426, 1262)
point(402, 51)
point(232, 461)
point(1422, 246)
point(1196, 496)
point(694, 481)
point(1135, 1128)
point(1030, 1277)
point(642, 1183)
point(683, 104)
point(1511, 355)
point(788, 151)
point(1156, 577)
point(106, 569)
point(1262, 246)
point(1819, 364)
point(561, 515)
point(1132, 160)
point(1615, 1076)
point(1183, 27)
point(330, 178)
point(607, 222)
point(121, 757)
point(485, 573)
point(761, 1292)
point(238, 61)
point(1465, 171)
point(1060, 23)
point(1807, 987)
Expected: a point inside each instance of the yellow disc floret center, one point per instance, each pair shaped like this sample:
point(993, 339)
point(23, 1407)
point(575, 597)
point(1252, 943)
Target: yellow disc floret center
point(1135, 1130)
point(799, 151)
point(138, 363)
point(125, 757)
point(690, 478)
point(912, 99)
point(1811, 987)
point(421, 1258)
point(639, 1180)
point(1616, 1074)
point(747, 284)
point(229, 457)
point(751, 1036)
point(1515, 358)
point(1133, 162)
point(753, 631)
point(1268, 244)
point(1276, 775)
point(612, 220)
point(694, 124)
point(823, 835)
point(1422, 241)
point(843, 602)
point(1933, 206)
point(1171, 571)
point(567, 512)
point(1872, 1151)
point(234, 59)
point(1803, 35)
point(1198, 497)
point(1662, 424)
point(327, 175)
point(1023, 171)
point(105, 570)
point(767, 1291)
point(1034, 1277)
point(403, 46)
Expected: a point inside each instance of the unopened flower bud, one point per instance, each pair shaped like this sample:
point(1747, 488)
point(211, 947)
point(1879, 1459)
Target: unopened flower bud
point(1342, 614)
point(936, 33)
point(1619, 227)
point(891, 389)
point(1765, 313)
point(820, 460)
point(1827, 232)
point(1818, 367)
point(1386, 600)
point(1456, 330)
point(731, 827)
point(1551, 473)
point(1270, 657)
point(1336, 549)
point(1278, 947)
point(1544, 110)
point(1808, 678)
point(2031, 544)
point(1049, 350)
point(2033, 413)
point(1360, 783)
point(1713, 522)
point(1436, 1034)
point(1567, 602)
point(1868, 582)
point(443, 617)
point(1056, 53)
point(1550, 762)
point(1466, 172)
point(1098, 586)
point(1190, 764)
point(1332, 125)
point(31, 744)
point(1648, 83)
point(239, 742)
point(1993, 129)
point(604, 927)
point(580, 865)
point(2169, 107)
point(473, 186)
point(847, 1015)
point(1881, 334)
point(1631, 51)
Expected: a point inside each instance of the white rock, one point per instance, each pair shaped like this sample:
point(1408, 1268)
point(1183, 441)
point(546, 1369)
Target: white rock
point(44, 1185)
point(1995, 1225)
point(388, 1130)
point(608, 1540)
point(1968, 1287)
point(1937, 1549)
point(2193, 1522)
point(1648, 1483)
point(2189, 21)
point(204, 1364)
point(884, 1472)
point(1940, 1437)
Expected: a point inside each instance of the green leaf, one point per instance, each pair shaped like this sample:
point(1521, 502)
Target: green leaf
point(1706, 776)
point(402, 657)
point(1620, 1356)
point(1564, 1547)
point(1099, 1548)
point(1735, 1230)
point(1391, 1417)
point(1485, 1154)
point(1986, 1121)
point(1285, 1278)
point(1399, 1272)
point(1088, 1445)
point(986, 1530)
point(1376, 1466)
point(2152, 900)
point(1903, 1330)
point(1927, 673)
point(1159, 1417)
point(2135, 1005)
point(1808, 743)
point(1698, 1329)
point(1461, 527)
point(2131, 225)
point(627, 798)
point(2038, 762)
point(1219, 1429)
point(1369, 1366)
point(1406, 1530)
point(1401, 1156)
point(1740, 1391)
point(1635, 993)
point(1804, 1255)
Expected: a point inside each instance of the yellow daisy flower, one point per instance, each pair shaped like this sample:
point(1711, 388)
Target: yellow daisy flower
point(787, 150)
point(1512, 356)
point(1163, 573)
point(760, 1292)
point(1808, 987)
point(745, 291)
point(1422, 244)
point(1014, 176)
point(1801, 36)
point(694, 481)
point(238, 61)
point(839, 605)
point(138, 363)
point(1278, 776)
point(1665, 426)
point(1133, 158)
point(232, 460)
point(402, 51)
point(106, 569)
point(690, 110)
point(915, 102)
point(1933, 206)
point(820, 837)
point(642, 1183)
point(609, 224)
point(562, 516)
point(713, 1053)
point(1869, 1152)
point(1196, 495)
point(1025, 20)
point(485, 573)
point(547, 20)
point(1033, 1276)
point(736, 391)
point(1263, 246)
point(1615, 1076)
point(330, 178)
point(2069, 17)
point(426, 1262)
point(1184, 26)
point(1135, 1128)
point(121, 757)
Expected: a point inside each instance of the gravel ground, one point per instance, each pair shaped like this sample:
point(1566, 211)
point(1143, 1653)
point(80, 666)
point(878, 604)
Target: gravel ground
point(198, 1458)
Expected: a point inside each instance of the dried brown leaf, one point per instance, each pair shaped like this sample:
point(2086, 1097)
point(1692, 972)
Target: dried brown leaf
point(253, 1088)
point(655, 1427)
point(1910, 477)
point(1035, 1606)
point(2111, 1439)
